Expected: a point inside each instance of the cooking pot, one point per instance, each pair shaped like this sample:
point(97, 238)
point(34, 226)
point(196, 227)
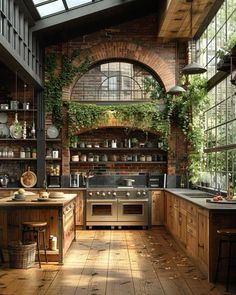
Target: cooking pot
point(129, 182)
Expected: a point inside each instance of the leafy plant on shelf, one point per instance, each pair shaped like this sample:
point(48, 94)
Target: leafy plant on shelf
point(56, 79)
point(228, 46)
point(137, 116)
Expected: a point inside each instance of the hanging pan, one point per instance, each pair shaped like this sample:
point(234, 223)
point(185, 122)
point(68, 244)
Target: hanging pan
point(28, 178)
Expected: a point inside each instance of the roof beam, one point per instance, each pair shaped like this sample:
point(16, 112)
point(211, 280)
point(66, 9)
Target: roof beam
point(176, 19)
point(76, 13)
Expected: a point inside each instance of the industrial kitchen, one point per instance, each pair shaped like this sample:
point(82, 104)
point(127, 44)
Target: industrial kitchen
point(117, 147)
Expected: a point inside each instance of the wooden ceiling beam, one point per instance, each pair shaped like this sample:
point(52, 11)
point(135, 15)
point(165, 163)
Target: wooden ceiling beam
point(175, 22)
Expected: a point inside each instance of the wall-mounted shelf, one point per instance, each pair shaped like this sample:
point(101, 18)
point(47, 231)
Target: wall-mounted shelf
point(18, 159)
point(119, 162)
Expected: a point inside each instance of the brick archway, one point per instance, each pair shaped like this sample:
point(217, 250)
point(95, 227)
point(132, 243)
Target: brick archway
point(149, 57)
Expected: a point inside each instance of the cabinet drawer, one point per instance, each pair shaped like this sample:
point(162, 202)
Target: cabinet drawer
point(156, 194)
point(183, 204)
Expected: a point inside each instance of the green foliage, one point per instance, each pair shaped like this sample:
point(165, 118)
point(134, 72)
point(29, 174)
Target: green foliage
point(137, 116)
point(226, 49)
point(56, 79)
point(186, 111)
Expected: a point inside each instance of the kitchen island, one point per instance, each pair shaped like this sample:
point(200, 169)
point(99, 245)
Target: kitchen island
point(58, 213)
point(193, 220)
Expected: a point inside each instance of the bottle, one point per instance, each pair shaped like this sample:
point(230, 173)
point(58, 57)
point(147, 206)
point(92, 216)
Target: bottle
point(22, 152)
point(230, 190)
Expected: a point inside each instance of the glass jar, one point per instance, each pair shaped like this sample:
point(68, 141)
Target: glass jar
point(22, 152)
point(96, 158)
point(148, 158)
point(90, 157)
point(83, 158)
point(27, 152)
point(142, 158)
point(55, 153)
point(104, 158)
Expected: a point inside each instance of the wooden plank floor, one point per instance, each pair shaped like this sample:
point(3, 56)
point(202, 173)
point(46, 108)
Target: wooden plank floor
point(111, 262)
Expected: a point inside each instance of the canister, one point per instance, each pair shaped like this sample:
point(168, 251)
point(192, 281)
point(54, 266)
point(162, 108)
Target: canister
point(83, 158)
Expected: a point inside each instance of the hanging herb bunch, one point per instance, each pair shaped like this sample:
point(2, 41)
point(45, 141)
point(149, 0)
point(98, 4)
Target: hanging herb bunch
point(56, 79)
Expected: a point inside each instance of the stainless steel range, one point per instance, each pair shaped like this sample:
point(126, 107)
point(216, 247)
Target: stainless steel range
point(117, 207)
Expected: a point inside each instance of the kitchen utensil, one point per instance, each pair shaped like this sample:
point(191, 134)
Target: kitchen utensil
point(52, 132)
point(28, 178)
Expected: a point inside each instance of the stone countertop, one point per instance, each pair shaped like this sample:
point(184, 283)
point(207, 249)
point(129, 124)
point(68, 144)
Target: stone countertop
point(31, 200)
point(202, 202)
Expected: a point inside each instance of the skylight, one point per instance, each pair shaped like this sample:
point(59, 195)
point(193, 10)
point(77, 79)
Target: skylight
point(49, 7)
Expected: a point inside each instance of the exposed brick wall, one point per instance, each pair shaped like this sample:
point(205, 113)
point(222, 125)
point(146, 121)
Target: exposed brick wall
point(134, 41)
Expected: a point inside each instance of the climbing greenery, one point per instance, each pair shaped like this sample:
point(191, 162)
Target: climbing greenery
point(56, 79)
point(137, 116)
point(186, 112)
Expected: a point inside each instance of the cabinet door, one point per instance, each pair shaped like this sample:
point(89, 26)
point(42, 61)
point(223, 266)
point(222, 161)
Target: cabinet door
point(176, 220)
point(79, 209)
point(157, 208)
point(183, 227)
point(191, 241)
point(203, 234)
point(169, 211)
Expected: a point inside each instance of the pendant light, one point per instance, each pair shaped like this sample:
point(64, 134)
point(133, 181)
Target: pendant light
point(176, 90)
point(192, 68)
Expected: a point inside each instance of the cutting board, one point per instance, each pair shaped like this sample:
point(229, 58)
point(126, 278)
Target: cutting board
point(221, 202)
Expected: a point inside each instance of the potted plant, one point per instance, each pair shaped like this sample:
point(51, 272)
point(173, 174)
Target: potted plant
point(74, 141)
point(134, 142)
point(225, 53)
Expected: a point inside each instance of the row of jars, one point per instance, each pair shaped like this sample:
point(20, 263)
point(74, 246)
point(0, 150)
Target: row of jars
point(123, 158)
point(24, 152)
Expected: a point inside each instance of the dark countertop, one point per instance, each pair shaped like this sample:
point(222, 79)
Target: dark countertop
point(201, 201)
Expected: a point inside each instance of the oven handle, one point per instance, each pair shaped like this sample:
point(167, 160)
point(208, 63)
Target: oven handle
point(132, 200)
point(101, 201)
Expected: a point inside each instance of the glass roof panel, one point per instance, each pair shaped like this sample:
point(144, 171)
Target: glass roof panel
point(73, 3)
point(51, 8)
point(39, 1)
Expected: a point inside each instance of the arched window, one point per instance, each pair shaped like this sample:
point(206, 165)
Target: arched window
point(115, 81)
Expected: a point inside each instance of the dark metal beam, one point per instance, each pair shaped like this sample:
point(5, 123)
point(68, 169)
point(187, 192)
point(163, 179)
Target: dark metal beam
point(73, 14)
point(15, 63)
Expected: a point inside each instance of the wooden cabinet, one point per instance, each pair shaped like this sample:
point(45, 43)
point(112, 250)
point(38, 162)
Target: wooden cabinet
point(203, 236)
point(169, 211)
point(191, 234)
point(157, 208)
point(183, 222)
point(79, 211)
point(189, 225)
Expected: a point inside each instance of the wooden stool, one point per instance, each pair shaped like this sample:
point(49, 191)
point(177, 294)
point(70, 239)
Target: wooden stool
point(227, 236)
point(37, 228)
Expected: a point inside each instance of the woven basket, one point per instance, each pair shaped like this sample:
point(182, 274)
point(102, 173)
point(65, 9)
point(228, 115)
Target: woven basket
point(21, 256)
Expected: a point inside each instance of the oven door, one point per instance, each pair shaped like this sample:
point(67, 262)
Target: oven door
point(101, 210)
point(133, 210)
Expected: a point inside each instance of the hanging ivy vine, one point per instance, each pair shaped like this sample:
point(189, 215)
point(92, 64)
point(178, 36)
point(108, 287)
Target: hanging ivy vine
point(138, 116)
point(57, 79)
point(185, 110)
